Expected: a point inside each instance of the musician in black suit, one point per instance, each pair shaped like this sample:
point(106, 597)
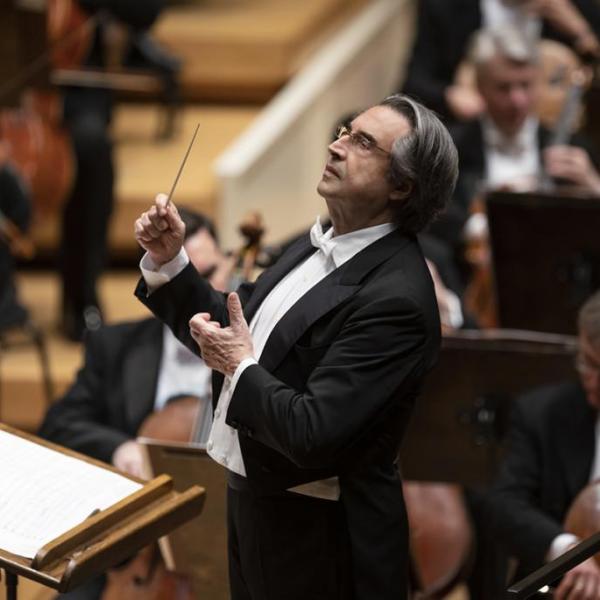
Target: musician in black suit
point(445, 26)
point(312, 397)
point(87, 117)
point(552, 455)
point(507, 147)
point(133, 368)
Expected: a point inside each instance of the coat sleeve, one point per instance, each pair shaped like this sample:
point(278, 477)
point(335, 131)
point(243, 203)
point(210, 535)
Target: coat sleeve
point(80, 419)
point(176, 302)
point(520, 525)
point(373, 364)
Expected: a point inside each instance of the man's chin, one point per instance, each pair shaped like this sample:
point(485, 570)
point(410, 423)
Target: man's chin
point(323, 187)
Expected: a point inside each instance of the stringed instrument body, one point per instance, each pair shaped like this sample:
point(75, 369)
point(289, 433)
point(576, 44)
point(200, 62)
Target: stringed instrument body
point(441, 536)
point(145, 576)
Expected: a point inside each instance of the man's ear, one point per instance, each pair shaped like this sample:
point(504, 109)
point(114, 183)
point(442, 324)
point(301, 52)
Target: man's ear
point(402, 192)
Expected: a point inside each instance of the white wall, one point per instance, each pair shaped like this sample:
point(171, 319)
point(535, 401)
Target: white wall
point(275, 165)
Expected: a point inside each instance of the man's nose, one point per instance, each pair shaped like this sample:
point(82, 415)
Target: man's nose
point(338, 148)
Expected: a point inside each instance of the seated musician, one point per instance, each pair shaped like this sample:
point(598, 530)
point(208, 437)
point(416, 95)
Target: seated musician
point(134, 368)
point(507, 148)
point(552, 455)
point(444, 28)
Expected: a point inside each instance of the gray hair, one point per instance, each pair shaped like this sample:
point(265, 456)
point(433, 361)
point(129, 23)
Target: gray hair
point(588, 320)
point(425, 161)
point(509, 41)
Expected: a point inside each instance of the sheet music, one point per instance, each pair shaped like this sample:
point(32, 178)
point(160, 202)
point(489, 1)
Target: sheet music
point(44, 493)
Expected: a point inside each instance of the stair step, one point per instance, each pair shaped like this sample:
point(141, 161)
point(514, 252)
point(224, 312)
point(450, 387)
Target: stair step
point(146, 166)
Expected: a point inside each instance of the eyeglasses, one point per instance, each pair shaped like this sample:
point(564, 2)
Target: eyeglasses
point(585, 367)
point(359, 140)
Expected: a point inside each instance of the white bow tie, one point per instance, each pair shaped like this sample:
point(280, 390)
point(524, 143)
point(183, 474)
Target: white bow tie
point(320, 240)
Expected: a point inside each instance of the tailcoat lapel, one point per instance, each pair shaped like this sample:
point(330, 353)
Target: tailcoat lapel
point(325, 296)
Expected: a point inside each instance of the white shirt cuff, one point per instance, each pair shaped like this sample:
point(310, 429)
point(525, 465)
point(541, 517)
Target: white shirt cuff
point(238, 372)
point(156, 276)
point(560, 544)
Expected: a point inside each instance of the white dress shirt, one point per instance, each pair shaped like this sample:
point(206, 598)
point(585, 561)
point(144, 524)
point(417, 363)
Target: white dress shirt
point(513, 161)
point(181, 372)
point(509, 161)
point(332, 252)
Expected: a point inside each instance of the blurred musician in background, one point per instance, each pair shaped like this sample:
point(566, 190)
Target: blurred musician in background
point(444, 28)
point(87, 114)
point(34, 41)
point(553, 453)
point(506, 148)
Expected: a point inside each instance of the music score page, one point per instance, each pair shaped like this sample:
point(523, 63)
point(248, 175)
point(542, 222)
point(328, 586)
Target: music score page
point(44, 493)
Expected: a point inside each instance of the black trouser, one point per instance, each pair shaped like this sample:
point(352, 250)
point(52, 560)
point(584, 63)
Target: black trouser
point(287, 547)
point(87, 213)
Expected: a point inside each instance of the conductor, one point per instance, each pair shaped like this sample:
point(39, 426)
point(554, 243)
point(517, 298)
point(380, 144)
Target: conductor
point(317, 365)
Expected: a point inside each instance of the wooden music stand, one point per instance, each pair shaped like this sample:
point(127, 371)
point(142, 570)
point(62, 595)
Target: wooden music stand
point(198, 550)
point(461, 416)
point(545, 258)
point(106, 538)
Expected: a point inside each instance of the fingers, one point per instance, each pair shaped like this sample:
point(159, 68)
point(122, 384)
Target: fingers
point(236, 314)
point(158, 220)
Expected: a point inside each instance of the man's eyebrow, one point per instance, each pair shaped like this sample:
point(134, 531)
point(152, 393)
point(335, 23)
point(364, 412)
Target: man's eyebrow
point(363, 134)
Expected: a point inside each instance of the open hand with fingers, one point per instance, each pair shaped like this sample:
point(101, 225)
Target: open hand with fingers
point(160, 231)
point(223, 348)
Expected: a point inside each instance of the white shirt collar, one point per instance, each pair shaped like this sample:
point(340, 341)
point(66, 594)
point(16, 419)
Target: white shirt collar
point(342, 248)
